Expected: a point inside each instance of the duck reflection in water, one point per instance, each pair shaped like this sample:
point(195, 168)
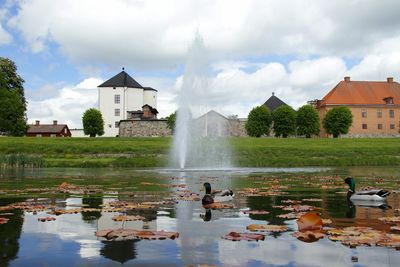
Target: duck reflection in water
point(352, 204)
point(207, 216)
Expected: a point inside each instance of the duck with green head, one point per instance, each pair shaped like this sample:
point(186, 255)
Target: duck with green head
point(367, 195)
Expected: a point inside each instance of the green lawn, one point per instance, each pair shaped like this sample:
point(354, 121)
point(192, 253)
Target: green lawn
point(153, 152)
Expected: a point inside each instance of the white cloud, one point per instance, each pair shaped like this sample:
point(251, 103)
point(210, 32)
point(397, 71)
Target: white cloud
point(67, 105)
point(157, 33)
point(5, 36)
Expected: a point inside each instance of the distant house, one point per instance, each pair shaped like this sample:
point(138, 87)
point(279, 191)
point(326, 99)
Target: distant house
point(274, 102)
point(214, 124)
point(375, 106)
point(48, 130)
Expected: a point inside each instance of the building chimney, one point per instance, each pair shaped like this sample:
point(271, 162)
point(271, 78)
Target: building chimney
point(54, 122)
point(347, 79)
point(37, 122)
point(273, 93)
point(389, 79)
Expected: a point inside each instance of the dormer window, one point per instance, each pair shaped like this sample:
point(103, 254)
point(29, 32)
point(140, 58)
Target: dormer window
point(388, 100)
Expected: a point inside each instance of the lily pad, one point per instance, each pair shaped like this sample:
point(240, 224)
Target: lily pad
point(267, 228)
point(234, 236)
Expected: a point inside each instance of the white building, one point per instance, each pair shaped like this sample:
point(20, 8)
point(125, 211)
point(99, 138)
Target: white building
point(121, 96)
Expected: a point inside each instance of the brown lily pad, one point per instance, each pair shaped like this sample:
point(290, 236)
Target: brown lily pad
point(308, 236)
point(267, 228)
point(3, 220)
point(46, 219)
point(255, 212)
point(119, 234)
point(218, 205)
point(309, 221)
point(122, 218)
point(234, 236)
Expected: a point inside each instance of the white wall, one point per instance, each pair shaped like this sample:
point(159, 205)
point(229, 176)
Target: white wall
point(77, 133)
point(150, 98)
point(134, 99)
point(107, 108)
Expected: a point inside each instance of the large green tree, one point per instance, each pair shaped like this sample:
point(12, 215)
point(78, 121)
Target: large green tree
point(12, 100)
point(259, 121)
point(307, 121)
point(93, 123)
point(284, 121)
point(338, 121)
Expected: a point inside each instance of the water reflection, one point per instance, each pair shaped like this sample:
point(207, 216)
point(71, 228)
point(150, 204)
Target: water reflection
point(71, 240)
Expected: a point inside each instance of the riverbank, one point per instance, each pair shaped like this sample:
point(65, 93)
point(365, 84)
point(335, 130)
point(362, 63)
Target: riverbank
point(153, 152)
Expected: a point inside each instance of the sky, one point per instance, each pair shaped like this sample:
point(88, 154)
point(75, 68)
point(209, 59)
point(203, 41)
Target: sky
point(299, 50)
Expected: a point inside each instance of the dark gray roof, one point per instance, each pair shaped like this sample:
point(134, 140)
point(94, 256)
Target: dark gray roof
point(149, 89)
point(122, 79)
point(273, 103)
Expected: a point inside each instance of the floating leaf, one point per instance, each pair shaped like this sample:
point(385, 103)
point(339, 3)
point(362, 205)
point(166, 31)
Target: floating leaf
point(297, 208)
point(309, 221)
point(308, 236)
point(122, 218)
point(218, 205)
point(390, 219)
point(46, 219)
point(255, 212)
point(135, 234)
point(234, 236)
point(3, 220)
point(312, 199)
point(267, 228)
point(290, 201)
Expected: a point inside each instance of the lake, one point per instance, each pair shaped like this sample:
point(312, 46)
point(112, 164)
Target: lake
point(168, 200)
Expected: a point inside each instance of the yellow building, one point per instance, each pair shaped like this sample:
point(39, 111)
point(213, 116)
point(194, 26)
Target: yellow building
point(375, 106)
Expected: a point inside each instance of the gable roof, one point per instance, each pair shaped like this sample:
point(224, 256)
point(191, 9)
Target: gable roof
point(213, 114)
point(46, 128)
point(122, 79)
point(362, 93)
point(274, 102)
point(149, 89)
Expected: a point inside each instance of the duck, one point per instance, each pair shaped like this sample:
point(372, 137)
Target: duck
point(368, 195)
point(216, 196)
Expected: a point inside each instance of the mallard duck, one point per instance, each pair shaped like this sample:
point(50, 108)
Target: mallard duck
point(216, 196)
point(368, 195)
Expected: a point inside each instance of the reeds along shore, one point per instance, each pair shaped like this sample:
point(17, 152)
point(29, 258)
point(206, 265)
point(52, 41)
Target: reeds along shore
point(154, 152)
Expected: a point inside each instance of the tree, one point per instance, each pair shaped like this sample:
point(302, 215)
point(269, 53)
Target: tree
point(259, 121)
point(12, 114)
point(12, 100)
point(307, 121)
point(284, 121)
point(338, 121)
point(171, 119)
point(93, 123)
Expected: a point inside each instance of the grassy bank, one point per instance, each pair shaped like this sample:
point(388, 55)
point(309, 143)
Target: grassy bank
point(153, 152)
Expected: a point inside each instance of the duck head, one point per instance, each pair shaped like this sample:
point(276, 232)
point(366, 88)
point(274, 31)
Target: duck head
point(352, 184)
point(207, 187)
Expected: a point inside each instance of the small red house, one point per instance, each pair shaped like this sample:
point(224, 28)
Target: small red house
point(48, 130)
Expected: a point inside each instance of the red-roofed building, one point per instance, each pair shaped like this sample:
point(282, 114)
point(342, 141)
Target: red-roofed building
point(375, 106)
point(48, 130)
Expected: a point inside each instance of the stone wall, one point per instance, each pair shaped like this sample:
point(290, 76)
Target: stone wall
point(145, 128)
point(236, 128)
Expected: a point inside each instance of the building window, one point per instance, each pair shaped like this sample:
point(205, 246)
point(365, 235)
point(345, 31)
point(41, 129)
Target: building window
point(117, 99)
point(388, 100)
point(364, 126)
point(117, 112)
point(380, 126)
point(364, 113)
point(391, 113)
point(379, 112)
point(391, 126)
point(117, 124)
